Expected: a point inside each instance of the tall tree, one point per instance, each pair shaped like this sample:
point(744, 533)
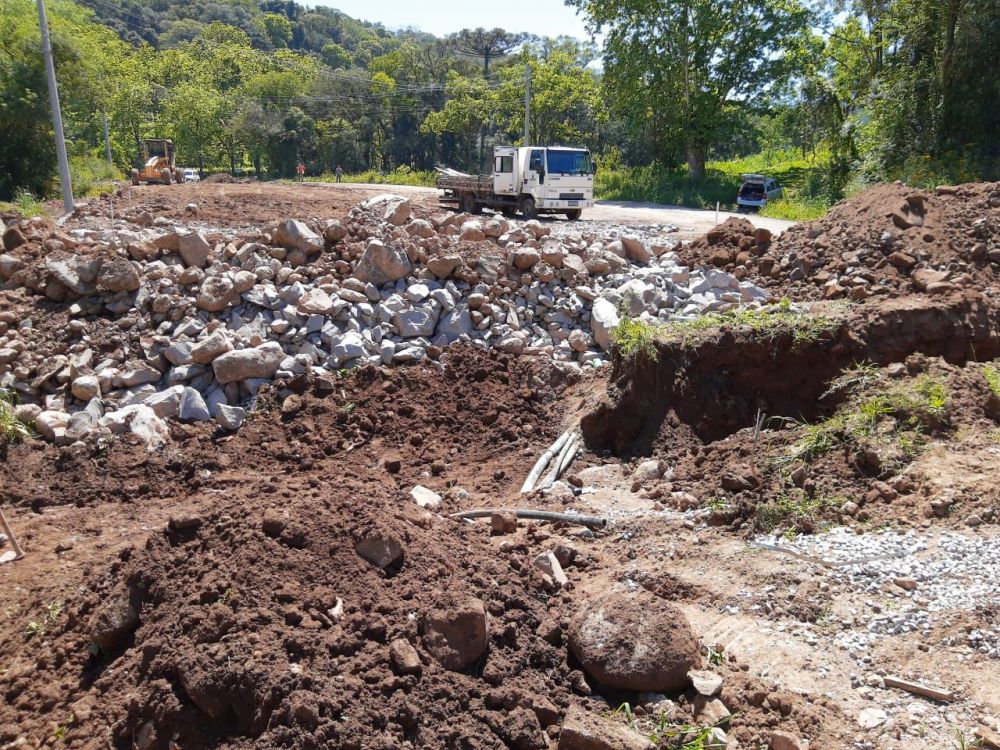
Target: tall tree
point(683, 66)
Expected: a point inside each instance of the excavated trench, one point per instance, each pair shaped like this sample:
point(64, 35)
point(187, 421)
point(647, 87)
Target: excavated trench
point(720, 385)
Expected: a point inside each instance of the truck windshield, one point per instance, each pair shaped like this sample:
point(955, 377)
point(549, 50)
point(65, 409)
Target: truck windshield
point(569, 162)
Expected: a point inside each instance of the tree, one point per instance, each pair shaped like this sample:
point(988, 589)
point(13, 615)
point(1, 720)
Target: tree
point(489, 45)
point(684, 66)
point(277, 29)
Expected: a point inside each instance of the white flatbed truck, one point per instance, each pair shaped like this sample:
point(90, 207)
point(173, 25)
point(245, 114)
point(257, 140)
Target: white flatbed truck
point(529, 180)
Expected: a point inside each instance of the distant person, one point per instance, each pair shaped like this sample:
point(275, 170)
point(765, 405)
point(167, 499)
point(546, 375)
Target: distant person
point(340, 173)
point(300, 171)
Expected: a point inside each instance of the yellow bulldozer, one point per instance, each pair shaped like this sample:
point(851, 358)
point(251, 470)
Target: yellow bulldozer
point(158, 163)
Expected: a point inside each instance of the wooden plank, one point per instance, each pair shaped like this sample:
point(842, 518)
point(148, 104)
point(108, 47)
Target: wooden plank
point(919, 689)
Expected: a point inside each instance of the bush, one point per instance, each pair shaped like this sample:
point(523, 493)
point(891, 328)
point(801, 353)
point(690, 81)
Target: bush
point(92, 176)
point(400, 176)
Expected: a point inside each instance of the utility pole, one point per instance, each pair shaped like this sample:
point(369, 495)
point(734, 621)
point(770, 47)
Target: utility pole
point(107, 138)
point(50, 75)
point(527, 99)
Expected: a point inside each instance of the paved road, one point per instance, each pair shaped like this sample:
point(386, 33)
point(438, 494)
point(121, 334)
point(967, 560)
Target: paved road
point(691, 222)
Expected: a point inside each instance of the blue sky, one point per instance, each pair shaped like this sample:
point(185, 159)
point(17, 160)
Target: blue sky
point(542, 17)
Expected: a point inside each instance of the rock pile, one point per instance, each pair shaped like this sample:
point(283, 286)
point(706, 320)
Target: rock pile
point(158, 321)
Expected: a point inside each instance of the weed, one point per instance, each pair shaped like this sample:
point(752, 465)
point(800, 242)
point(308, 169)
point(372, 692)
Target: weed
point(625, 711)
point(28, 205)
point(40, 627)
point(632, 337)
point(11, 428)
point(797, 511)
point(769, 322)
point(349, 408)
point(856, 377)
point(716, 504)
point(715, 654)
point(992, 376)
point(686, 736)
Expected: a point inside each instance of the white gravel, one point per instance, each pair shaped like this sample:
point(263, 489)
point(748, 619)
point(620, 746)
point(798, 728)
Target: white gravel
point(945, 573)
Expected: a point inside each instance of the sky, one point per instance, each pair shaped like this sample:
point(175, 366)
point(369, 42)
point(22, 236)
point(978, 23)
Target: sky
point(440, 17)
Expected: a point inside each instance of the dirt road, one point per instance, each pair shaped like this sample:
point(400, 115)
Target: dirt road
point(230, 204)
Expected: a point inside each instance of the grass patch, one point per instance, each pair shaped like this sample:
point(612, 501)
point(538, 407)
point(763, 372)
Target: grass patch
point(769, 322)
point(633, 337)
point(92, 176)
point(12, 429)
point(894, 418)
point(399, 176)
point(26, 204)
point(797, 511)
point(992, 376)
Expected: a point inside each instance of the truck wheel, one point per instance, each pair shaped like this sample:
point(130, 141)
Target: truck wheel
point(509, 212)
point(135, 177)
point(528, 209)
point(574, 215)
point(469, 205)
point(167, 177)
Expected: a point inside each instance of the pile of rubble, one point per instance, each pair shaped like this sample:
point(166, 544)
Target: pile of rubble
point(889, 240)
point(157, 321)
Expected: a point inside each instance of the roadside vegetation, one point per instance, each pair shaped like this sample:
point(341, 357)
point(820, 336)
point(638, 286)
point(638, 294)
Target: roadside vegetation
point(257, 88)
point(768, 322)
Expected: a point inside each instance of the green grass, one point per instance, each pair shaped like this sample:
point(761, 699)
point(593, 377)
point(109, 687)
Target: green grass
point(656, 184)
point(796, 511)
point(632, 337)
point(769, 322)
point(24, 203)
point(992, 377)
point(92, 176)
point(916, 408)
point(399, 176)
point(12, 429)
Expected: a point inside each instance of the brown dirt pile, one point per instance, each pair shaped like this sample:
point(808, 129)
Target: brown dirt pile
point(887, 241)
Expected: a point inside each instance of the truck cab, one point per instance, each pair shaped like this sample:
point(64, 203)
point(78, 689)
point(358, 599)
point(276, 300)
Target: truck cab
point(544, 179)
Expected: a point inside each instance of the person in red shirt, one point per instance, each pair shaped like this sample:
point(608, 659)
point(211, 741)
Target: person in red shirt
point(300, 171)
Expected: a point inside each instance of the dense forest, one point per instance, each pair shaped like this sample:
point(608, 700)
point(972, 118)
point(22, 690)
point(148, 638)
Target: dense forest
point(864, 90)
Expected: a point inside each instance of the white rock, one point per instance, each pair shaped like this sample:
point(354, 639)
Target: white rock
point(230, 417)
point(193, 407)
point(206, 350)
point(603, 318)
point(194, 249)
point(259, 362)
point(549, 565)
point(294, 235)
point(416, 321)
point(86, 387)
point(51, 424)
point(425, 498)
point(166, 403)
point(349, 346)
point(870, 718)
point(380, 263)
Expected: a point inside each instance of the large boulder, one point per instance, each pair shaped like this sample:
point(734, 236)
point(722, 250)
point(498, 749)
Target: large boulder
point(634, 641)
point(456, 631)
point(416, 321)
point(194, 249)
point(216, 294)
point(258, 362)
point(117, 275)
point(380, 263)
point(214, 345)
point(294, 235)
point(603, 318)
point(635, 249)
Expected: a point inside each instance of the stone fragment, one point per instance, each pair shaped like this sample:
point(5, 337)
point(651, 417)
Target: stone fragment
point(216, 294)
point(425, 498)
point(259, 362)
point(456, 631)
point(635, 249)
point(194, 249)
point(380, 547)
point(86, 387)
point(210, 347)
point(114, 619)
point(117, 275)
point(871, 718)
point(294, 235)
point(193, 407)
point(380, 263)
point(550, 567)
point(589, 731)
point(603, 318)
point(705, 682)
point(230, 417)
point(404, 657)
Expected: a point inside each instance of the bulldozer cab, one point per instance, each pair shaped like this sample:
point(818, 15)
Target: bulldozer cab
point(156, 163)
